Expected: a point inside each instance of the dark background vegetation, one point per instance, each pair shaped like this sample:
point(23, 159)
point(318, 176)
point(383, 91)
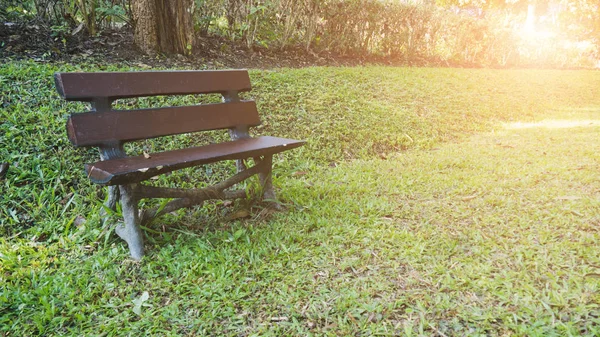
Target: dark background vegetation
point(500, 33)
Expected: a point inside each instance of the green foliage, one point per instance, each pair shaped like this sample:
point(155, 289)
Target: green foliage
point(11, 10)
point(415, 33)
point(479, 33)
point(93, 14)
point(416, 230)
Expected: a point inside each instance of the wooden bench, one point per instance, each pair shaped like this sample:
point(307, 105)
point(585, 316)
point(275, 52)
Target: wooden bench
point(109, 129)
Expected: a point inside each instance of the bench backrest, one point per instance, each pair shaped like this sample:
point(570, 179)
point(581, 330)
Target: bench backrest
point(105, 126)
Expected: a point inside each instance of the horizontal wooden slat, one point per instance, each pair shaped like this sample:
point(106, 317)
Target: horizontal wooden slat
point(115, 85)
point(96, 128)
point(136, 169)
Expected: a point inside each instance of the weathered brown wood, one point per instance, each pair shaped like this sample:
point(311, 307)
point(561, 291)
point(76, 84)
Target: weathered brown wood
point(109, 127)
point(115, 85)
point(135, 169)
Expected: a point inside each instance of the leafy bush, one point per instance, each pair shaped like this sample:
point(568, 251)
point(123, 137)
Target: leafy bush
point(94, 15)
point(415, 34)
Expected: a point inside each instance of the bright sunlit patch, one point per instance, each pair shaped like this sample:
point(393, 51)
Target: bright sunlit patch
point(554, 124)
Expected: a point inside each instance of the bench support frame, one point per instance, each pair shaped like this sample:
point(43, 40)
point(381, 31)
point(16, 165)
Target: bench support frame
point(129, 195)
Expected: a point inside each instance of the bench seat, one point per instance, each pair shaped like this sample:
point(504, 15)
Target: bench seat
point(139, 168)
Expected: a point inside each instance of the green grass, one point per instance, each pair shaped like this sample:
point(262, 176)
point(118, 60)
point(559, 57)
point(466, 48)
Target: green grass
point(438, 217)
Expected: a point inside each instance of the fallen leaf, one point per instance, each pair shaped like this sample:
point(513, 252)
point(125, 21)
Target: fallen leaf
point(505, 146)
point(279, 319)
point(79, 220)
point(320, 274)
point(351, 317)
point(299, 173)
point(239, 214)
point(576, 213)
point(78, 29)
point(470, 197)
point(143, 169)
point(146, 155)
point(137, 303)
point(227, 203)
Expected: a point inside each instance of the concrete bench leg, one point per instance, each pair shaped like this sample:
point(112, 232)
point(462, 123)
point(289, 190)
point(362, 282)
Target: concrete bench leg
point(111, 203)
point(113, 198)
point(266, 181)
point(130, 231)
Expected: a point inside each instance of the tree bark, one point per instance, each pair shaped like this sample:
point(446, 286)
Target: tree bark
point(163, 26)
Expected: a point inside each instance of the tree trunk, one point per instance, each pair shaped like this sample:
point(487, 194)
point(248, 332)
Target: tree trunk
point(163, 26)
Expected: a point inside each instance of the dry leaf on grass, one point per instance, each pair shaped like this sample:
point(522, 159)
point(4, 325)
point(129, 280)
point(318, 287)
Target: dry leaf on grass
point(279, 319)
point(138, 302)
point(239, 214)
point(79, 220)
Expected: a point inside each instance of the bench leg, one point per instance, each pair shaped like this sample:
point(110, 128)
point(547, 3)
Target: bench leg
point(240, 165)
point(266, 180)
point(111, 203)
point(113, 197)
point(130, 231)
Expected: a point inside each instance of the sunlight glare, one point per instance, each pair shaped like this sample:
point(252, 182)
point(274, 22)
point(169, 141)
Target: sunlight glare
point(554, 124)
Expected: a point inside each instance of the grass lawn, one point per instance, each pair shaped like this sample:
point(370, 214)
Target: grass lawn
point(444, 202)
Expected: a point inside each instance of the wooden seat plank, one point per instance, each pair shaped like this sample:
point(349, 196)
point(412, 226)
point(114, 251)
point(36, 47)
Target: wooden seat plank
point(96, 128)
point(139, 168)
